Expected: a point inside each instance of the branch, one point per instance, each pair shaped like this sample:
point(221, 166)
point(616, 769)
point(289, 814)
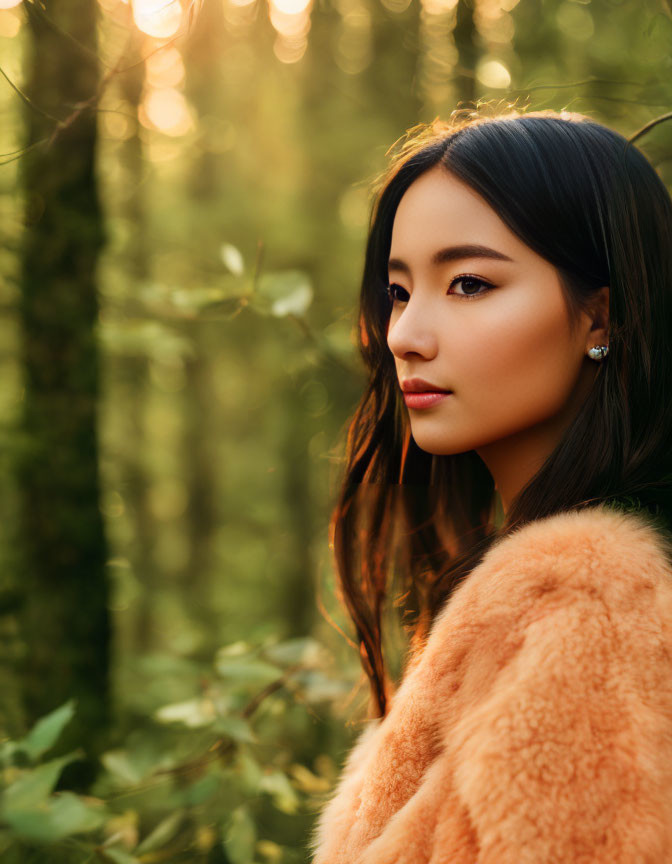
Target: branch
point(576, 84)
point(94, 100)
point(17, 154)
point(26, 98)
point(650, 125)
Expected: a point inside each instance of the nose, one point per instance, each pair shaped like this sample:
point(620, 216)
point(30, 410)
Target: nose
point(412, 331)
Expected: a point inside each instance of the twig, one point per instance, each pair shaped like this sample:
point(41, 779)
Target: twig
point(655, 122)
point(166, 44)
point(22, 149)
point(575, 84)
point(26, 98)
point(20, 153)
point(278, 684)
point(89, 52)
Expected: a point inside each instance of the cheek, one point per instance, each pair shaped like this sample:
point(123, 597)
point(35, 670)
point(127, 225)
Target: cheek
point(517, 366)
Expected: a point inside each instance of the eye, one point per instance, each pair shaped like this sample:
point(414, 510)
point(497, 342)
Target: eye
point(468, 283)
point(393, 291)
point(396, 292)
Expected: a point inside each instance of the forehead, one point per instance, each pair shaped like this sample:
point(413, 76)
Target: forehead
point(439, 210)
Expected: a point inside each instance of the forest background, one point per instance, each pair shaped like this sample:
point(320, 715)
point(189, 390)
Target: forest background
point(184, 198)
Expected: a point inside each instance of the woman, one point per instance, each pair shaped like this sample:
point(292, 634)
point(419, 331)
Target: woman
point(511, 459)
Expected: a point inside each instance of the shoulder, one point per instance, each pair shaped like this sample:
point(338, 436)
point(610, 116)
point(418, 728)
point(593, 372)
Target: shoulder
point(569, 745)
point(599, 553)
point(558, 597)
point(599, 562)
point(600, 533)
point(536, 724)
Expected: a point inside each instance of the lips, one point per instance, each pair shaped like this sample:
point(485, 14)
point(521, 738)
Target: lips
point(419, 385)
point(419, 393)
point(426, 398)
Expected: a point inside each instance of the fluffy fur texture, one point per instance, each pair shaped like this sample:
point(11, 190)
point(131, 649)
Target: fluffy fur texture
point(536, 725)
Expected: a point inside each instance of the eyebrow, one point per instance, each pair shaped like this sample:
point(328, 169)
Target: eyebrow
point(452, 253)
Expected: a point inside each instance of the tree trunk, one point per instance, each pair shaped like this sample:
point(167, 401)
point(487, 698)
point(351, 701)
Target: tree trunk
point(203, 60)
point(134, 369)
point(465, 36)
point(65, 611)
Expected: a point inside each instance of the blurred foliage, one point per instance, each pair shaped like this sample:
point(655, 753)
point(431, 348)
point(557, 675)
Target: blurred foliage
point(236, 146)
point(211, 774)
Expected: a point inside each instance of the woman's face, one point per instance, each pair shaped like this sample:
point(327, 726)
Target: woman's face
point(515, 369)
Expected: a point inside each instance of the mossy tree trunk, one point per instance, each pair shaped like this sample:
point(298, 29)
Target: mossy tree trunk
point(65, 610)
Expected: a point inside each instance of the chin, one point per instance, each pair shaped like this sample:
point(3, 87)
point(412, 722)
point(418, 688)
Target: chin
point(440, 446)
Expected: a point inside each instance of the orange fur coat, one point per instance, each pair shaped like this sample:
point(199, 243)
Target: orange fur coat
point(536, 725)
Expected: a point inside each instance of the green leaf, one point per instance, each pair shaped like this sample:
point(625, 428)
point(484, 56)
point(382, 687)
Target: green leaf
point(47, 730)
point(202, 790)
point(202, 298)
point(7, 751)
point(118, 856)
point(122, 767)
point(240, 837)
point(307, 781)
point(250, 772)
point(235, 649)
point(164, 831)
point(35, 784)
point(58, 817)
point(236, 728)
point(295, 303)
point(288, 292)
point(303, 650)
point(281, 790)
point(318, 687)
point(232, 259)
point(194, 713)
point(247, 670)
point(144, 754)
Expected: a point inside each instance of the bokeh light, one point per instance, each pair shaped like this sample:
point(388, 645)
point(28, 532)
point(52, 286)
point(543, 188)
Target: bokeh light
point(493, 73)
point(167, 110)
point(164, 68)
point(291, 7)
point(158, 18)
point(10, 23)
point(438, 7)
point(289, 23)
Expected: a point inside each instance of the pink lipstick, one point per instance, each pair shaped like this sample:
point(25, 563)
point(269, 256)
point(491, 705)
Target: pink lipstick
point(425, 399)
point(419, 393)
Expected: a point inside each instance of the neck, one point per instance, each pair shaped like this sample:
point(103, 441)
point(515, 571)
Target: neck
point(514, 461)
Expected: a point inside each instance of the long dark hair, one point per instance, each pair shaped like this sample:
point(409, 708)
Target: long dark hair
point(589, 202)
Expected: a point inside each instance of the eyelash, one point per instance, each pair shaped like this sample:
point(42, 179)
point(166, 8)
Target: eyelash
point(387, 289)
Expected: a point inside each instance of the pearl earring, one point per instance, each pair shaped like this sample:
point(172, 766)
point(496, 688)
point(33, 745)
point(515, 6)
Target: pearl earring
point(598, 352)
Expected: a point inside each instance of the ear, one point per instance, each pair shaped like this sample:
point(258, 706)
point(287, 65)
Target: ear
point(599, 331)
